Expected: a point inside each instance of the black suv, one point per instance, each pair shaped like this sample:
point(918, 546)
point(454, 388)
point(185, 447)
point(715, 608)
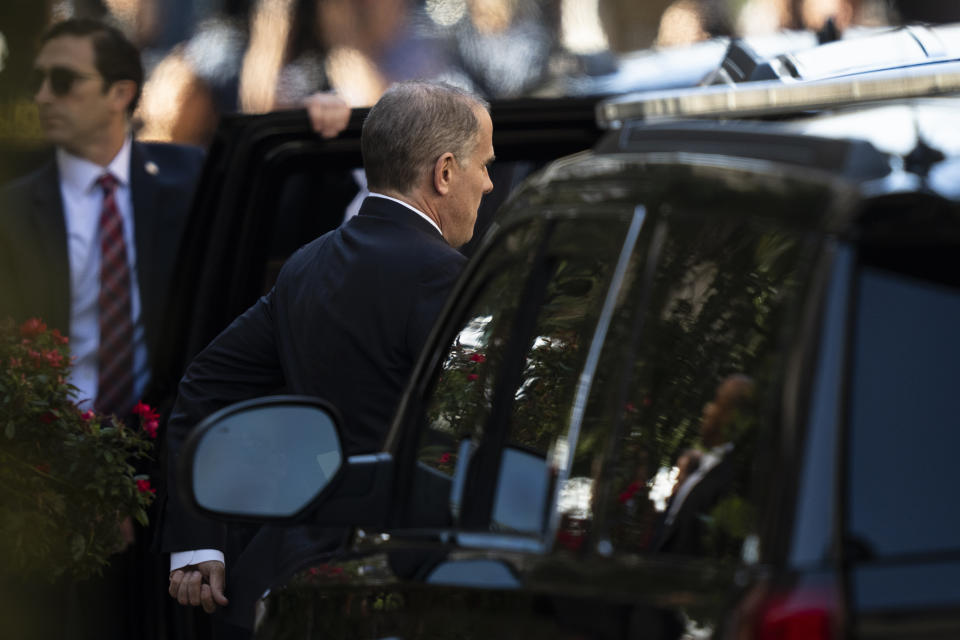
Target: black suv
point(567, 461)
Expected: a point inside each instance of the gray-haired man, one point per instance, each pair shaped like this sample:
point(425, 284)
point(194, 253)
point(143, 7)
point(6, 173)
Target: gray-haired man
point(375, 286)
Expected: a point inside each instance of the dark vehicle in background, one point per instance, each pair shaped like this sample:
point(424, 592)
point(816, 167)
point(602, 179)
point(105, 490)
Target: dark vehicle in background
point(804, 233)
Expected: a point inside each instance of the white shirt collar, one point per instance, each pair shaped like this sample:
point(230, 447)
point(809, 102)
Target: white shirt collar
point(414, 209)
point(81, 174)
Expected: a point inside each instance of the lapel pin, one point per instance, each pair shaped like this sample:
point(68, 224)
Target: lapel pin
point(152, 168)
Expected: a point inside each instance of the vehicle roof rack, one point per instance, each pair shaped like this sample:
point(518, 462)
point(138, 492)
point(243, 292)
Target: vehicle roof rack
point(760, 99)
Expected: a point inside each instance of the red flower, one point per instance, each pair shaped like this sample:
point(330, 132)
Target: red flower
point(471, 377)
point(325, 570)
point(478, 357)
point(15, 363)
point(629, 492)
point(42, 468)
point(445, 458)
point(143, 486)
point(630, 407)
point(53, 358)
point(145, 412)
point(32, 328)
point(151, 426)
point(58, 337)
point(87, 415)
point(149, 419)
point(47, 417)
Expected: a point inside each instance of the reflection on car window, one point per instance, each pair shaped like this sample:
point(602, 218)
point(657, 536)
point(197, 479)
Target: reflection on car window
point(904, 386)
point(544, 312)
point(459, 404)
point(582, 255)
point(722, 296)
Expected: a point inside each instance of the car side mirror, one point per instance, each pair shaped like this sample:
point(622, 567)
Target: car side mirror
point(264, 459)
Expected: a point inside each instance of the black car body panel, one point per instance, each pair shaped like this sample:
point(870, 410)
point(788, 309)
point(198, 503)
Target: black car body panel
point(529, 468)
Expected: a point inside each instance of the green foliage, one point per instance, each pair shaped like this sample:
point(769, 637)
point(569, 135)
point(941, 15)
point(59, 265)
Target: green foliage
point(719, 300)
point(66, 476)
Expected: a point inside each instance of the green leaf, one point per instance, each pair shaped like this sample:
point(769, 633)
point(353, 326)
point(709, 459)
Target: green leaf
point(77, 547)
point(141, 516)
point(10, 431)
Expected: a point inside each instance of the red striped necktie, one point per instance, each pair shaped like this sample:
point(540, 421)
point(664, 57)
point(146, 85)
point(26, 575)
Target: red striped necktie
point(115, 354)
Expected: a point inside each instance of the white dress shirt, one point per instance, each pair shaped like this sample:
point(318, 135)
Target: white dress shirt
point(82, 205)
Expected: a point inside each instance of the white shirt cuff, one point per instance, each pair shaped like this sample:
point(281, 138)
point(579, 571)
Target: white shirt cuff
point(181, 559)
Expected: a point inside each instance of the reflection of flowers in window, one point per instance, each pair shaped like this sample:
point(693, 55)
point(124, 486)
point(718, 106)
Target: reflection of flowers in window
point(66, 476)
point(461, 389)
point(461, 393)
point(445, 462)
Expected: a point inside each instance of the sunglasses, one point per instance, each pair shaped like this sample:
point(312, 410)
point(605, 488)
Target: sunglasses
point(61, 79)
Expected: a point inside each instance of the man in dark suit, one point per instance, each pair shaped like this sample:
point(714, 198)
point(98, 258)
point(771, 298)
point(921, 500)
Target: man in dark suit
point(87, 244)
point(88, 78)
point(346, 319)
point(684, 529)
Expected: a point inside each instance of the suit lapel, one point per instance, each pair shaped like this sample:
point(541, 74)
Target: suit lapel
point(50, 230)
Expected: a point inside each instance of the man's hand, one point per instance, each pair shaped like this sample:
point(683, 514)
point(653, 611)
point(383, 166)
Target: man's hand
point(199, 584)
point(329, 114)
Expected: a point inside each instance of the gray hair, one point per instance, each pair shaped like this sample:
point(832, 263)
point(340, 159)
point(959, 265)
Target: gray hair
point(412, 125)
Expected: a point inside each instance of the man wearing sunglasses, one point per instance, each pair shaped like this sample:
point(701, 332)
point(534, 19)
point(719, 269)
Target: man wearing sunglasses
point(102, 219)
point(88, 243)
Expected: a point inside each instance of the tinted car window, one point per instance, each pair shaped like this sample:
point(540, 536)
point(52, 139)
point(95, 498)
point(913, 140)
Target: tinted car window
point(459, 403)
point(581, 257)
point(721, 301)
point(903, 427)
point(503, 395)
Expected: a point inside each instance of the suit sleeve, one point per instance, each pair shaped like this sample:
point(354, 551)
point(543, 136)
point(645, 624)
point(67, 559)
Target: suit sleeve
point(239, 364)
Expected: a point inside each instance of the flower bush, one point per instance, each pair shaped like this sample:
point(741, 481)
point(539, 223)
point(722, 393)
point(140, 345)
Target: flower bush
point(67, 478)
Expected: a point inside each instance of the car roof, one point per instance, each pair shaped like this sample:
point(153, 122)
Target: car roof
point(887, 130)
point(781, 99)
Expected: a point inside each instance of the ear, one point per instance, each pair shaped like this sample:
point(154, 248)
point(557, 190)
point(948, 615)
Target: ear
point(122, 92)
point(443, 173)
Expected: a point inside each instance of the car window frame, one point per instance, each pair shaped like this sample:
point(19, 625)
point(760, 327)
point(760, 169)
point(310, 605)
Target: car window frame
point(406, 431)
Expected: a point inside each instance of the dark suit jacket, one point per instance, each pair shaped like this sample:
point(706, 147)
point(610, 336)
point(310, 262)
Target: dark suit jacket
point(345, 321)
point(34, 261)
point(686, 533)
